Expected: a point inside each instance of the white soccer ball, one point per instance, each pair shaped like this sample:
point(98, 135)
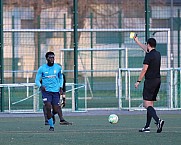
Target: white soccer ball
point(113, 119)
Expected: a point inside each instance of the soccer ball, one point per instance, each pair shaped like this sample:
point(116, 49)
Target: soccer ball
point(113, 119)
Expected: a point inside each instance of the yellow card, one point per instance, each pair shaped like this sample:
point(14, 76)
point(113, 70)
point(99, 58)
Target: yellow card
point(132, 34)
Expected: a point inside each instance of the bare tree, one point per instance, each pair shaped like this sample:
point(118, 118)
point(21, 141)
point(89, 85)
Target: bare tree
point(84, 7)
point(38, 6)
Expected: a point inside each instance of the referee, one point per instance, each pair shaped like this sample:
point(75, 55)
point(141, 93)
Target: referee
point(151, 72)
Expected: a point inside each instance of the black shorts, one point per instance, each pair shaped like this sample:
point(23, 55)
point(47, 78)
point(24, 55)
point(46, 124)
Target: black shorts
point(52, 97)
point(151, 88)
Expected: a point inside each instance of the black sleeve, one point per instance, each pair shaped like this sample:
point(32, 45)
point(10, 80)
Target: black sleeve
point(147, 59)
point(64, 79)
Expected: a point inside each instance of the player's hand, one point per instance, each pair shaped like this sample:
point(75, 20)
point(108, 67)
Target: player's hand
point(63, 102)
point(42, 88)
point(136, 84)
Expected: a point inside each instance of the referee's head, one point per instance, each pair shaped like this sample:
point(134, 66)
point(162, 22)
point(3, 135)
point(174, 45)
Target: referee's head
point(152, 42)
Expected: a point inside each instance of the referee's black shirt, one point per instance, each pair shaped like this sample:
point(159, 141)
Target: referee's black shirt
point(153, 60)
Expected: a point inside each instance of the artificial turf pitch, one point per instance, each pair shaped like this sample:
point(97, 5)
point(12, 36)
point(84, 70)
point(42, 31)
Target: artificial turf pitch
point(89, 130)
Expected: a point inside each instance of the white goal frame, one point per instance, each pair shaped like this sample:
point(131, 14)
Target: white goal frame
point(173, 100)
point(36, 96)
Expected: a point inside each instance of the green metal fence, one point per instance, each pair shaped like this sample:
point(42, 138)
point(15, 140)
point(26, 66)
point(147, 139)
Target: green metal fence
point(31, 28)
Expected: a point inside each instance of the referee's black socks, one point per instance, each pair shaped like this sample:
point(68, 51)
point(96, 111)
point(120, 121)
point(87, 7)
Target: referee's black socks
point(152, 113)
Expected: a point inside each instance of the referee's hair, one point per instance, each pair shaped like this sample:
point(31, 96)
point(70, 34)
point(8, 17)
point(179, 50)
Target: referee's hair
point(49, 53)
point(152, 42)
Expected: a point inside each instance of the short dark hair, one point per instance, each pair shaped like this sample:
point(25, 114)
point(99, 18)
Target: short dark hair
point(152, 42)
point(49, 53)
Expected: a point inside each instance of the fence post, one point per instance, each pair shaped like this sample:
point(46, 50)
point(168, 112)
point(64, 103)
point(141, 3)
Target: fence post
point(1, 57)
point(120, 88)
point(120, 36)
point(39, 43)
point(36, 106)
point(64, 42)
point(147, 20)
point(178, 59)
point(13, 52)
point(92, 74)
point(75, 5)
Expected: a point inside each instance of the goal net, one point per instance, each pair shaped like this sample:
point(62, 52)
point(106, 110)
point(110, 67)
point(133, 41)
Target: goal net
point(21, 97)
point(131, 98)
point(26, 98)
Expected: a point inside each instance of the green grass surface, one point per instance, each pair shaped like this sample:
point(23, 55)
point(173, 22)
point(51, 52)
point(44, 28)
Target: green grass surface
point(89, 130)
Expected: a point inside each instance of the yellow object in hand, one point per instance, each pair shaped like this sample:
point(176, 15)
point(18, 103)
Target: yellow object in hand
point(132, 35)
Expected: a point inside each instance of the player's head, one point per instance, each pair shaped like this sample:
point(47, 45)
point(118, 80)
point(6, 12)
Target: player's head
point(152, 42)
point(50, 56)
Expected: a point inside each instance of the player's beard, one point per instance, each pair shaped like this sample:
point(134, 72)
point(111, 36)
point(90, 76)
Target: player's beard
point(50, 63)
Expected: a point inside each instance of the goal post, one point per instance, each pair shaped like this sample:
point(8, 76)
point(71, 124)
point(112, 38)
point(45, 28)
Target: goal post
point(21, 93)
point(26, 97)
point(167, 99)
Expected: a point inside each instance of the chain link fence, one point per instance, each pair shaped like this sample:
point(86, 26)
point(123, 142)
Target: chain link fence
point(31, 28)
